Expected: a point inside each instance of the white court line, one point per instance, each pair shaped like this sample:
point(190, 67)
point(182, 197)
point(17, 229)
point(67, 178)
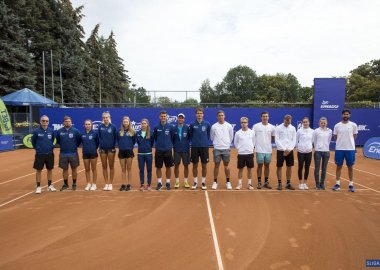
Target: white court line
point(31, 192)
point(14, 179)
point(374, 174)
point(214, 237)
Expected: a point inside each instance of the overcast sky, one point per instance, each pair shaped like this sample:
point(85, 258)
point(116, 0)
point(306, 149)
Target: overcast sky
point(176, 44)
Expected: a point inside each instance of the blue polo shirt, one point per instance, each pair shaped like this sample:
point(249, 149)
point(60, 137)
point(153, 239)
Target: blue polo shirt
point(107, 136)
point(163, 136)
point(43, 140)
point(181, 139)
point(200, 133)
point(90, 142)
point(68, 139)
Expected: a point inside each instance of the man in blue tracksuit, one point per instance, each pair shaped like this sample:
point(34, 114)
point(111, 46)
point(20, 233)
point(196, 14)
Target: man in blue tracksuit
point(68, 138)
point(200, 136)
point(43, 143)
point(163, 135)
point(181, 148)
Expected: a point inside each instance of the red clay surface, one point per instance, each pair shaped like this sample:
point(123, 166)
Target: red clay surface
point(256, 229)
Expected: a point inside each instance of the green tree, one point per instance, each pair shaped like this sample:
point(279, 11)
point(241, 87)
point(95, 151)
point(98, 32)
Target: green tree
point(279, 88)
point(207, 93)
point(190, 103)
point(239, 85)
point(16, 66)
point(363, 83)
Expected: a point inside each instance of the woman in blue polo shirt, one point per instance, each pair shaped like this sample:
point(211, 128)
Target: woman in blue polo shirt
point(126, 140)
point(107, 141)
point(90, 143)
point(145, 142)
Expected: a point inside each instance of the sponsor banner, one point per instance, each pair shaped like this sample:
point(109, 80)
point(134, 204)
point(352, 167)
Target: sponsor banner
point(233, 115)
point(329, 97)
point(371, 148)
point(368, 121)
point(5, 120)
point(6, 142)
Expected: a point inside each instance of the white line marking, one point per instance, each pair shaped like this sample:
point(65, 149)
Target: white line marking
point(214, 237)
point(14, 179)
point(374, 174)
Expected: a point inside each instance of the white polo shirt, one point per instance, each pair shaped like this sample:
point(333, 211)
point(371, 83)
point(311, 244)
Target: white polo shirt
point(322, 139)
point(222, 135)
point(285, 137)
point(263, 136)
point(245, 141)
point(345, 135)
point(304, 140)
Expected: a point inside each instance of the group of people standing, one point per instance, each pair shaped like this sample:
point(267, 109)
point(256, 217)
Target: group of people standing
point(184, 144)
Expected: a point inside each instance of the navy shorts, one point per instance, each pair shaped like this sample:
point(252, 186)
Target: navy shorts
point(348, 155)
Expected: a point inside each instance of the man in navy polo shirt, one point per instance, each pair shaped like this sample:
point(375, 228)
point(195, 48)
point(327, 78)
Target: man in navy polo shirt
point(68, 138)
point(200, 135)
point(163, 135)
point(43, 143)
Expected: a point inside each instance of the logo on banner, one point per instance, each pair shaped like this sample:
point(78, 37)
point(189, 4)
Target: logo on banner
point(326, 106)
point(371, 148)
point(172, 119)
point(136, 125)
point(363, 128)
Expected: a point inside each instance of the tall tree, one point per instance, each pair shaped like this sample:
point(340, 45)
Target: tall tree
point(364, 82)
point(207, 93)
point(16, 66)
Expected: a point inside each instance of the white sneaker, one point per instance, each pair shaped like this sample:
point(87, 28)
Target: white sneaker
point(109, 187)
point(239, 186)
point(214, 185)
point(204, 187)
point(300, 187)
point(305, 187)
point(194, 186)
point(105, 187)
point(38, 190)
point(51, 188)
point(93, 187)
point(228, 185)
point(250, 187)
point(88, 186)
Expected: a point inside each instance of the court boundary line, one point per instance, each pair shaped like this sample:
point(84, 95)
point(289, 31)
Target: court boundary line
point(374, 174)
point(22, 176)
point(214, 236)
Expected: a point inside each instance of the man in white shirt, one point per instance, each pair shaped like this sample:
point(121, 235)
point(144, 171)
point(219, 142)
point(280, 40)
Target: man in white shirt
point(244, 143)
point(345, 133)
point(221, 134)
point(285, 142)
point(264, 135)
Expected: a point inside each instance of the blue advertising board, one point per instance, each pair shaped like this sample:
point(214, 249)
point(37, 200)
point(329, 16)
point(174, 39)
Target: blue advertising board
point(79, 115)
point(371, 148)
point(6, 142)
point(329, 97)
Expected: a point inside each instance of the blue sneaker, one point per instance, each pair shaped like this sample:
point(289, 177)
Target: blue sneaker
point(336, 187)
point(317, 186)
point(167, 186)
point(159, 186)
point(351, 189)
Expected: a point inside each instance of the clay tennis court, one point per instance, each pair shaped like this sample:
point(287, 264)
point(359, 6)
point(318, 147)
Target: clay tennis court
point(175, 229)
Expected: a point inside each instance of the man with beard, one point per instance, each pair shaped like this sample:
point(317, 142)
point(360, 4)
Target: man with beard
point(345, 133)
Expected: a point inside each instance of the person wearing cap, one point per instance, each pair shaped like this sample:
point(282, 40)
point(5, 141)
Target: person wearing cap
point(285, 137)
point(200, 136)
point(163, 134)
point(222, 134)
point(68, 138)
point(181, 146)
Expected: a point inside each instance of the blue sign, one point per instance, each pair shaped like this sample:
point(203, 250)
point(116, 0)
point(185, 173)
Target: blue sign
point(329, 97)
point(371, 148)
point(372, 263)
point(6, 142)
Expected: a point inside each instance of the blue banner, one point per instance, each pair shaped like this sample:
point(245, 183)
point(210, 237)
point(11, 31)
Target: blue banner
point(371, 148)
point(6, 142)
point(79, 115)
point(329, 97)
